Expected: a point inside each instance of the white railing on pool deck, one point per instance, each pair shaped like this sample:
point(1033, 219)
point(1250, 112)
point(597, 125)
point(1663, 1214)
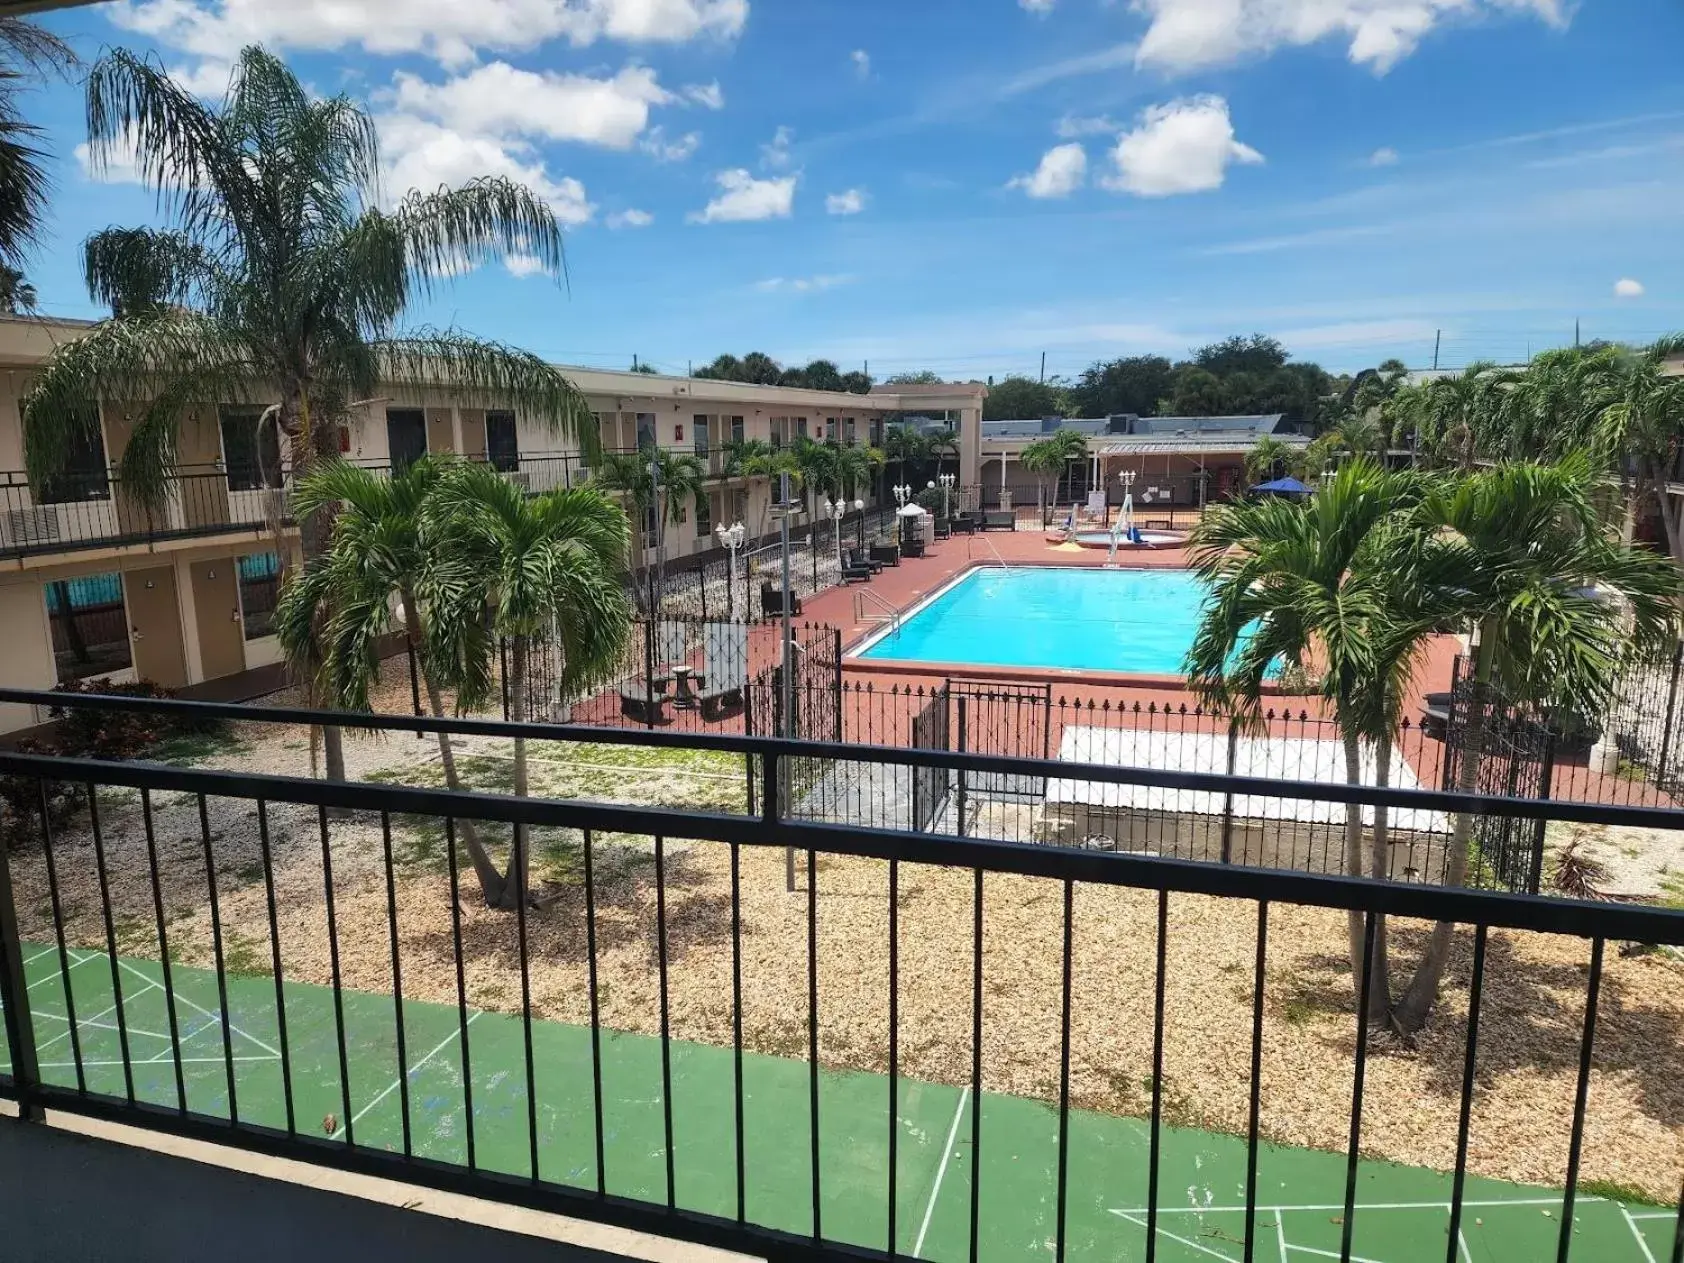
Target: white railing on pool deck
point(890, 614)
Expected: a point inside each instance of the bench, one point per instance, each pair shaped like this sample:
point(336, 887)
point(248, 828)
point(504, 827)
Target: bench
point(999, 520)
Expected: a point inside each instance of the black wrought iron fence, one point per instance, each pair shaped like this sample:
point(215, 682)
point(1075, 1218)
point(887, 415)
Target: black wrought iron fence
point(938, 1046)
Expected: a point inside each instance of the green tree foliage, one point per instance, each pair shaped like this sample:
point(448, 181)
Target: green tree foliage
point(1022, 399)
point(919, 377)
point(1354, 583)
point(760, 369)
point(28, 54)
point(281, 281)
point(17, 295)
point(1133, 384)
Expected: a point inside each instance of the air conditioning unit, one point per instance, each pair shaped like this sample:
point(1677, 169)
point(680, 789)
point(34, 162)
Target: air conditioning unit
point(521, 478)
point(34, 526)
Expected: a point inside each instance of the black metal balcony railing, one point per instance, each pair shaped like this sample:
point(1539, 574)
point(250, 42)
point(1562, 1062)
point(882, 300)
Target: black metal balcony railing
point(742, 1118)
point(80, 512)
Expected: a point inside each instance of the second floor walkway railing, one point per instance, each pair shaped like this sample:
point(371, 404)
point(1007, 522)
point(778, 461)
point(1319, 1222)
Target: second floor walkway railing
point(931, 1046)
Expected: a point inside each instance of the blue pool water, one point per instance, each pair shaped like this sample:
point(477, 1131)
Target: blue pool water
point(1136, 621)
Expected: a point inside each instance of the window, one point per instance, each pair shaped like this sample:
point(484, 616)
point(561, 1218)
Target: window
point(704, 516)
point(90, 627)
point(645, 430)
point(406, 436)
point(736, 429)
point(260, 585)
point(779, 431)
point(848, 431)
point(251, 453)
point(701, 436)
point(502, 448)
point(82, 473)
point(801, 426)
point(876, 432)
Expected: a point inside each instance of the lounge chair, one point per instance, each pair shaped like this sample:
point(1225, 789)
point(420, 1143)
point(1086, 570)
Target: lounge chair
point(859, 557)
point(944, 528)
point(912, 548)
point(964, 524)
point(856, 574)
point(772, 602)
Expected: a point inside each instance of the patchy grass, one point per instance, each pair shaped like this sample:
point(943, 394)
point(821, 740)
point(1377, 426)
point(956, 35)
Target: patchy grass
point(189, 749)
point(704, 780)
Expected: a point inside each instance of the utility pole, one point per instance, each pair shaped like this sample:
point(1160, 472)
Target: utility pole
point(1575, 333)
point(1437, 334)
point(1043, 367)
point(634, 361)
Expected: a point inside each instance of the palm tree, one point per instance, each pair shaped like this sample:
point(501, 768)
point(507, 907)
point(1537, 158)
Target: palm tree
point(332, 614)
point(547, 567)
point(817, 463)
point(660, 480)
point(1321, 583)
point(27, 53)
point(1640, 429)
point(1043, 459)
point(17, 295)
point(904, 445)
point(1555, 600)
point(1267, 458)
point(756, 458)
point(282, 281)
point(855, 468)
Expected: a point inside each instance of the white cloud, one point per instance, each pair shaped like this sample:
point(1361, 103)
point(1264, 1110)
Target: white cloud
point(1625, 287)
point(1186, 35)
point(800, 284)
point(847, 202)
point(657, 145)
point(1385, 156)
point(775, 152)
point(421, 154)
point(1038, 6)
point(523, 265)
point(208, 80)
point(862, 62)
point(709, 95)
point(497, 99)
point(118, 164)
point(630, 219)
point(1062, 170)
point(742, 198)
point(1112, 58)
point(1184, 146)
point(1075, 126)
point(450, 31)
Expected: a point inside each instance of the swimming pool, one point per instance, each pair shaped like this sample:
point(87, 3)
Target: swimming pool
point(1133, 621)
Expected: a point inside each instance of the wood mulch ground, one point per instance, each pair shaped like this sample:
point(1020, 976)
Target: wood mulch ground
point(1530, 1032)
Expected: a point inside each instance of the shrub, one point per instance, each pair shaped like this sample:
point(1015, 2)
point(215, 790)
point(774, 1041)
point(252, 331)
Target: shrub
point(101, 733)
point(20, 804)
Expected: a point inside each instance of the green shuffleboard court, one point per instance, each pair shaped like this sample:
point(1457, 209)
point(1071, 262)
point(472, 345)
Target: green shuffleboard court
point(1402, 1215)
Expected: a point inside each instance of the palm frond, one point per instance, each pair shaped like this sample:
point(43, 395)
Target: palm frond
point(485, 374)
point(487, 219)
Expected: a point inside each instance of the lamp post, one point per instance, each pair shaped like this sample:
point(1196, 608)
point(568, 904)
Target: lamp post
point(731, 539)
point(836, 510)
point(946, 481)
point(902, 492)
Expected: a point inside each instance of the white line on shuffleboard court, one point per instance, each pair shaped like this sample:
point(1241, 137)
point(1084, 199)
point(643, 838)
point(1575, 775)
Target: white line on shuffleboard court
point(65, 1033)
point(1280, 1235)
point(1650, 1214)
point(59, 976)
point(1637, 1232)
point(1128, 1211)
point(393, 1086)
point(941, 1172)
point(89, 1065)
point(1329, 1254)
point(188, 1001)
point(1202, 1249)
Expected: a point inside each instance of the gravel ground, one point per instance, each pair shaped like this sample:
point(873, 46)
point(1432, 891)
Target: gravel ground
point(1529, 1046)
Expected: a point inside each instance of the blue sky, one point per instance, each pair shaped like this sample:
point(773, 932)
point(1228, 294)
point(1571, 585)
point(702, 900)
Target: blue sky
point(964, 184)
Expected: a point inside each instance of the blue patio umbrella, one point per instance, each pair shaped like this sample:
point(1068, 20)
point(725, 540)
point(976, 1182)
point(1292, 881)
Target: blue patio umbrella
point(1282, 487)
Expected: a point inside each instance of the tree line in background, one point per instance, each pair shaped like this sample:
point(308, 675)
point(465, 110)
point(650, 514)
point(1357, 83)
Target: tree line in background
point(1238, 376)
point(760, 369)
